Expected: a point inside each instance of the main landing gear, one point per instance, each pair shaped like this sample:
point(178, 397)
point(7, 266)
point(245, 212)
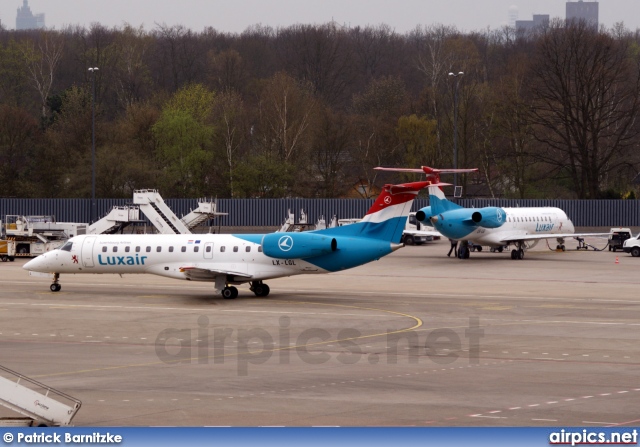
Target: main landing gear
point(229, 293)
point(463, 250)
point(259, 288)
point(55, 286)
point(519, 252)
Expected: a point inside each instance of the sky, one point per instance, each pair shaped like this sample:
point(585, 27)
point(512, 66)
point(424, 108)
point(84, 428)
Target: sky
point(236, 15)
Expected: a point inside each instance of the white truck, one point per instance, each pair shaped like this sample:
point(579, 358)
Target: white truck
point(34, 235)
point(417, 233)
point(630, 244)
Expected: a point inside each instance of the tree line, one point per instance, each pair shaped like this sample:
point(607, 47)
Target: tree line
point(309, 110)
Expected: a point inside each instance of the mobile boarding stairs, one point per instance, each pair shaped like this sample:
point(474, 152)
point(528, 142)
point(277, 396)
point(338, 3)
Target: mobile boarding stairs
point(151, 204)
point(41, 405)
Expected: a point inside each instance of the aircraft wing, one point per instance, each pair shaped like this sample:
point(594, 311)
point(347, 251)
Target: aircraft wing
point(536, 237)
point(209, 273)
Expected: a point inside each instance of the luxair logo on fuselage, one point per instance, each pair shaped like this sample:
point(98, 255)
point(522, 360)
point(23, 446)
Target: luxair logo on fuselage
point(544, 227)
point(121, 260)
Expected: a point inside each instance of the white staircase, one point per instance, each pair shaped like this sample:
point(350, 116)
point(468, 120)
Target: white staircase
point(158, 213)
point(118, 217)
point(206, 210)
point(45, 405)
point(165, 220)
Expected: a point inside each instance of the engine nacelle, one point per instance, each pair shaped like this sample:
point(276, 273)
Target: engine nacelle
point(424, 216)
point(297, 245)
point(489, 217)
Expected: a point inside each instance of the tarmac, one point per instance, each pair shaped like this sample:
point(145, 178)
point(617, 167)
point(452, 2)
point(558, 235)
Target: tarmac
point(414, 339)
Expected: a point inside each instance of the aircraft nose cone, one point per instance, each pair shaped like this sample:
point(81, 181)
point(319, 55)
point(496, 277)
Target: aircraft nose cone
point(38, 264)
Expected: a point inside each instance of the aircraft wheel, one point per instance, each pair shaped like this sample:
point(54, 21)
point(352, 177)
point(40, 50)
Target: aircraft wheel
point(562, 247)
point(500, 249)
point(635, 252)
point(514, 254)
point(55, 287)
point(479, 248)
point(521, 254)
point(261, 290)
point(227, 293)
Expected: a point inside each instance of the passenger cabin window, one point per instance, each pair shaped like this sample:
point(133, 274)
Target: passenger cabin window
point(115, 248)
point(259, 248)
point(183, 249)
point(67, 246)
point(248, 249)
point(196, 249)
point(104, 249)
point(223, 249)
point(127, 249)
point(170, 249)
point(138, 249)
point(235, 249)
point(148, 249)
point(208, 249)
point(158, 249)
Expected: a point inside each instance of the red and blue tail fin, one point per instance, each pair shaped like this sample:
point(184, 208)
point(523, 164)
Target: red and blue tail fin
point(387, 217)
point(437, 199)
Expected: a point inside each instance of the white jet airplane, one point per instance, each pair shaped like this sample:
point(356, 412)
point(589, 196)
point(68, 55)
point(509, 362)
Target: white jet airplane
point(491, 226)
point(232, 259)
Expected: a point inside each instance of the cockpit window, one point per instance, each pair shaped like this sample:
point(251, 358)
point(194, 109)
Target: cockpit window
point(67, 246)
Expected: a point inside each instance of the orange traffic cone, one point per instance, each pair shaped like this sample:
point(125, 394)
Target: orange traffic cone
point(617, 262)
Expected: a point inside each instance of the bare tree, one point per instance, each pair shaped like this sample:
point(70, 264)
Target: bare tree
point(229, 114)
point(43, 55)
point(286, 111)
point(587, 97)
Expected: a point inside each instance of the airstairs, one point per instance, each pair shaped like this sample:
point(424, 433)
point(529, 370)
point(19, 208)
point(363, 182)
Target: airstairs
point(118, 218)
point(158, 213)
point(165, 220)
point(39, 403)
point(206, 210)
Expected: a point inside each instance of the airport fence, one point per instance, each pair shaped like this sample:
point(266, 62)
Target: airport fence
point(272, 212)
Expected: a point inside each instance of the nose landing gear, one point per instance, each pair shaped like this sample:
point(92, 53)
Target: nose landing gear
point(55, 286)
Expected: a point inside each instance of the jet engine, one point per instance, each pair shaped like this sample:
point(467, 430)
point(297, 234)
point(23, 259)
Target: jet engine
point(424, 216)
point(297, 245)
point(489, 217)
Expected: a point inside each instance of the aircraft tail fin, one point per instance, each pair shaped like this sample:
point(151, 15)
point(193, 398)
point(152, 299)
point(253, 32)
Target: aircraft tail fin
point(387, 217)
point(437, 200)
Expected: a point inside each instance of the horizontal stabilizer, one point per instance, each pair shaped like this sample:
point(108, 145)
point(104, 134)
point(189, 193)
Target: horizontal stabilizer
point(428, 170)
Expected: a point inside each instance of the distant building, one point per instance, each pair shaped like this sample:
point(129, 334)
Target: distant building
point(513, 16)
point(539, 21)
point(26, 19)
point(581, 10)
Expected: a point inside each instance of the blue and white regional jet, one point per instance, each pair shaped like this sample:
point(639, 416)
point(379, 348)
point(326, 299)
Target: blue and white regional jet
point(491, 226)
point(236, 259)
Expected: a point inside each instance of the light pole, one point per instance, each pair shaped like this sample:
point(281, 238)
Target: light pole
point(455, 127)
point(93, 143)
